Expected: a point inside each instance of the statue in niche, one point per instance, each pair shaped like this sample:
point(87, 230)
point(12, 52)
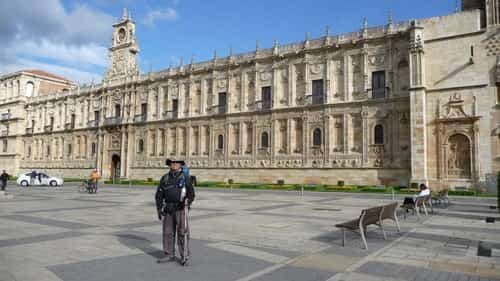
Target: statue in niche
point(458, 157)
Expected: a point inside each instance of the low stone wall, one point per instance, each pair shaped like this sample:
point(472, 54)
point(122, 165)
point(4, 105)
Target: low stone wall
point(304, 175)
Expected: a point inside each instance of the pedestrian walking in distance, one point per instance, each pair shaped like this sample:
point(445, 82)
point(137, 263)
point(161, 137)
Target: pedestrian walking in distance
point(4, 177)
point(174, 197)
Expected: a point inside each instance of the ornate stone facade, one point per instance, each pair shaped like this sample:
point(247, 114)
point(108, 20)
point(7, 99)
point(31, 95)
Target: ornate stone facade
point(404, 102)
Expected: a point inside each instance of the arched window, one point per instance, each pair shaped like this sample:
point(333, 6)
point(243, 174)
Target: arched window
point(140, 147)
point(93, 148)
point(220, 142)
point(317, 137)
point(30, 88)
point(264, 140)
point(379, 134)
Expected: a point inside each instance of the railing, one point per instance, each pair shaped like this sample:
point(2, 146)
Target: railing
point(171, 114)
point(29, 131)
point(262, 105)
point(92, 123)
point(140, 118)
point(112, 121)
point(219, 109)
point(5, 116)
point(48, 128)
point(69, 126)
point(314, 99)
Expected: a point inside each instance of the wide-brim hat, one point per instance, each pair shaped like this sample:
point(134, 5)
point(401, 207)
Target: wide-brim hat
point(170, 161)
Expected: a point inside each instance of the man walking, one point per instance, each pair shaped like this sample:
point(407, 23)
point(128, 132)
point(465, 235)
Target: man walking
point(4, 177)
point(174, 196)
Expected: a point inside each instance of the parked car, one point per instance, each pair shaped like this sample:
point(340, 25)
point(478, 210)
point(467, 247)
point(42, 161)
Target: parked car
point(40, 179)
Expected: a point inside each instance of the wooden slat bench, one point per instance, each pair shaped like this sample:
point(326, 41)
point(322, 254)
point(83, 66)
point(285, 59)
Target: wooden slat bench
point(371, 216)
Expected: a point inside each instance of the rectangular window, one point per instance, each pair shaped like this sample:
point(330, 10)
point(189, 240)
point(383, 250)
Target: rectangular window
point(222, 103)
point(118, 110)
point(5, 145)
point(96, 116)
point(266, 98)
point(69, 150)
point(93, 148)
point(317, 92)
point(175, 105)
point(378, 84)
point(73, 119)
point(51, 122)
point(144, 109)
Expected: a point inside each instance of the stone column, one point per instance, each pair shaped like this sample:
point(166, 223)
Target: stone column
point(346, 132)
point(229, 95)
point(203, 96)
point(292, 81)
point(243, 93)
point(289, 136)
point(273, 139)
point(366, 135)
point(187, 140)
point(364, 70)
point(326, 138)
point(258, 90)
point(307, 81)
point(180, 100)
point(161, 101)
point(305, 141)
point(418, 120)
point(328, 86)
point(347, 78)
point(123, 144)
point(275, 92)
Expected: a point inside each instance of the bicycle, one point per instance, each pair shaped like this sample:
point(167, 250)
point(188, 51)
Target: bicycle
point(86, 186)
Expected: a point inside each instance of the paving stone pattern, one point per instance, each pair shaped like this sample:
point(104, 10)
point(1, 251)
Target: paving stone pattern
point(61, 234)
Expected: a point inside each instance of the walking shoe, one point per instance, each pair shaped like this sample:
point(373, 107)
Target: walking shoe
point(166, 259)
point(184, 262)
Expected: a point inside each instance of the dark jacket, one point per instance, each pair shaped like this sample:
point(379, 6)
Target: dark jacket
point(4, 177)
point(169, 190)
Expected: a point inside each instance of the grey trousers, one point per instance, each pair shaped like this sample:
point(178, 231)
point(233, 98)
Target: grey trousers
point(175, 226)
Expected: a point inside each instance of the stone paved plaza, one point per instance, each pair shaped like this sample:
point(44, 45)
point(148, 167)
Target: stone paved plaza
point(61, 234)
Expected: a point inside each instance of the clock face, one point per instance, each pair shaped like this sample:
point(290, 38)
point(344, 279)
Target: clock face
point(121, 35)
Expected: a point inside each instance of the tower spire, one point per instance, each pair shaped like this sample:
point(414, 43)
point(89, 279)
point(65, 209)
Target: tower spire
point(125, 14)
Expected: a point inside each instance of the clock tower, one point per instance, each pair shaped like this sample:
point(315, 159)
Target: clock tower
point(124, 49)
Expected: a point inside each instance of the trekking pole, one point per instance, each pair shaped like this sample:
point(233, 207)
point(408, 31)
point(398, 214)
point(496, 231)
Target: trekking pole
point(302, 191)
point(392, 190)
point(185, 233)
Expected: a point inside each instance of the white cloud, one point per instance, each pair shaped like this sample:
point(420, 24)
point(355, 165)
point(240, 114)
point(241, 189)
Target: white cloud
point(47, 35)
point(156, 15)
point(88, 54)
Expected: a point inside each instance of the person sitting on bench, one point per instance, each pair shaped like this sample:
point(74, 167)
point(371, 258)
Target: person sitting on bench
point(424, 191)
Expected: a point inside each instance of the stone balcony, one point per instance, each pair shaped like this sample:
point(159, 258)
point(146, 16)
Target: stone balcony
point(140, 118)
point(112, 121)
point(48, 128)
point(92, 124)
point(29, 131)
point(170, 114)
point(218, 109)
point(69, 126)
point(314, 99)
point(5, 116)
point(262, 105)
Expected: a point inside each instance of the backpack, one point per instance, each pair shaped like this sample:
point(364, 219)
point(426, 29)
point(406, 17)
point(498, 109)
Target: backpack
point(173, 193)
point(186, 171)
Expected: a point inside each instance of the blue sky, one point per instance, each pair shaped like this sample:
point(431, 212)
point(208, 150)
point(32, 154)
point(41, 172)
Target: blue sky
point(71, 37)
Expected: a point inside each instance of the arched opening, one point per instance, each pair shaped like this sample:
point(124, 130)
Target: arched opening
point(30, 88)
point(317, 137)
point(458, 157)
point(264, 140)
point(115, 168)
point(378, 134)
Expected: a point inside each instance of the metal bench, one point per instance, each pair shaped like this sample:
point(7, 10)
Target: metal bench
point(371, 216)
point(420, 203)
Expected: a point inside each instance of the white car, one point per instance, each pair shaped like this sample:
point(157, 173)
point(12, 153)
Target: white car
point(40, 179)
